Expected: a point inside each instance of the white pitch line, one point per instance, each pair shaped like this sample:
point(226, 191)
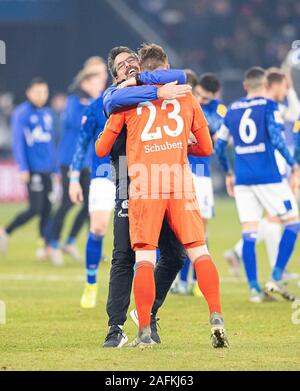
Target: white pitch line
point(39, 278)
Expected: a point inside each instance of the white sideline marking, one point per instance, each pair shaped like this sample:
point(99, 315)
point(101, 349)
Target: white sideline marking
point(79, 278)
point(50, 277)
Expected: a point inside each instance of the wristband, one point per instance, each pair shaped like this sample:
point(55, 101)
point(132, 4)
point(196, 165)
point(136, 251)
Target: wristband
point(138, 79)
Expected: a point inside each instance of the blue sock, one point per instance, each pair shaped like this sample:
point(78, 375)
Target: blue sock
point(249, 258)
point(286, 248)
point(54, 244)
point(185, 270)
point(157, 254)
point(71, 240)
point(93, 256)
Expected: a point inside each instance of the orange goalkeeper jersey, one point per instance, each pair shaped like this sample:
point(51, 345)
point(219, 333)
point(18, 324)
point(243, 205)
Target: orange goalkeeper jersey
point(157, 142)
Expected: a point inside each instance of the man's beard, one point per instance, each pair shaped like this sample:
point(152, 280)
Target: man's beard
point(131, 72)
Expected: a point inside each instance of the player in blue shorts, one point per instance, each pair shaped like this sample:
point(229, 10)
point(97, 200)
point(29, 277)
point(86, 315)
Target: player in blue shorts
point(255, 125)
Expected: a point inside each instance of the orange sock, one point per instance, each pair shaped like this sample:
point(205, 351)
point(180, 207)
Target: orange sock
point(208, 282)
point(144, 291)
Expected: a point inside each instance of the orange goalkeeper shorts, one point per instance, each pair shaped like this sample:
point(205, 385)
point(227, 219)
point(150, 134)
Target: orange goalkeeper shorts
point(146, 218)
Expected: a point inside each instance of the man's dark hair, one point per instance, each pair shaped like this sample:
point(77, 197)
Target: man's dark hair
point(35, 81)
point(113, 53)
point(152, 56)
point(254, 73)
point(275, 75)
point(210, 82)
point(191, 77)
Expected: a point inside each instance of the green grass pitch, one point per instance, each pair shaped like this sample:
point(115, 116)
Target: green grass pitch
point(47, 330)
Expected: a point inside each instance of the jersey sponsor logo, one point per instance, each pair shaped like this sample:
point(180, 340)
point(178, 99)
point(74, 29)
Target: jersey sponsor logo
point(121, 213)
point(162, 147)
point(250, 149)
point(124, 204)
point(246, 104)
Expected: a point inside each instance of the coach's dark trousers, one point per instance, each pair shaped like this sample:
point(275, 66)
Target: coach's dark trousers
point(172, 257)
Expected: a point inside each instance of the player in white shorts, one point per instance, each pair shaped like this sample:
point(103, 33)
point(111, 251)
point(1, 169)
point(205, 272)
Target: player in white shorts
point(101, 196)
point(278, 88)
point(254, 124)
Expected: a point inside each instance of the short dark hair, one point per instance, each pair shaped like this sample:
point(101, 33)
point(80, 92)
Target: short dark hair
point(113, 53)
point(191, 77)
point(152, 56)
point(35, 81)
point(210, 82)
point(275, 75)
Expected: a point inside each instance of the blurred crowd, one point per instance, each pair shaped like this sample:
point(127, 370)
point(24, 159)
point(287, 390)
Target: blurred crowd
point(218, 34)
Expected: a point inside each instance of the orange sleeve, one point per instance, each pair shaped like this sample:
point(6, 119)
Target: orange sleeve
point(106, 139)
point(204, 145)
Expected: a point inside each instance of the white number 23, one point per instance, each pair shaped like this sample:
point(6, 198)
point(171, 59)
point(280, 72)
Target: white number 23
point(157, 134)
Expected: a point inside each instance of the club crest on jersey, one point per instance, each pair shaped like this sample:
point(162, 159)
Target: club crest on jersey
point(83, 120)
point(34, 119)
point(221, 110)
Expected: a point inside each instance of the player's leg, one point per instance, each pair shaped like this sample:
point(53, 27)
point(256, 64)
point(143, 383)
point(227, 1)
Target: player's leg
point(70, 247)
point(185, 220)
point(172, 258)
point(45, 217)
point(144, 292)
point(270, 231)
point(35, 200)
point(250, 212)
point(145, 227)
point(121, 277)
point(278, 199)
point(233, 256)
point(101, 203)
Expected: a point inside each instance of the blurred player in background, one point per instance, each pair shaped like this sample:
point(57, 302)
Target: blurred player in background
point(280, 90)
point(89, 86)
point(34, 151)
point(146, 213)
point(101, 194)
point(256, 126)
point(207, 90)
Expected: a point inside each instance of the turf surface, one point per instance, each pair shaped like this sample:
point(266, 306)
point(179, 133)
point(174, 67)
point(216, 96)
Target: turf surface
point(47, 330)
